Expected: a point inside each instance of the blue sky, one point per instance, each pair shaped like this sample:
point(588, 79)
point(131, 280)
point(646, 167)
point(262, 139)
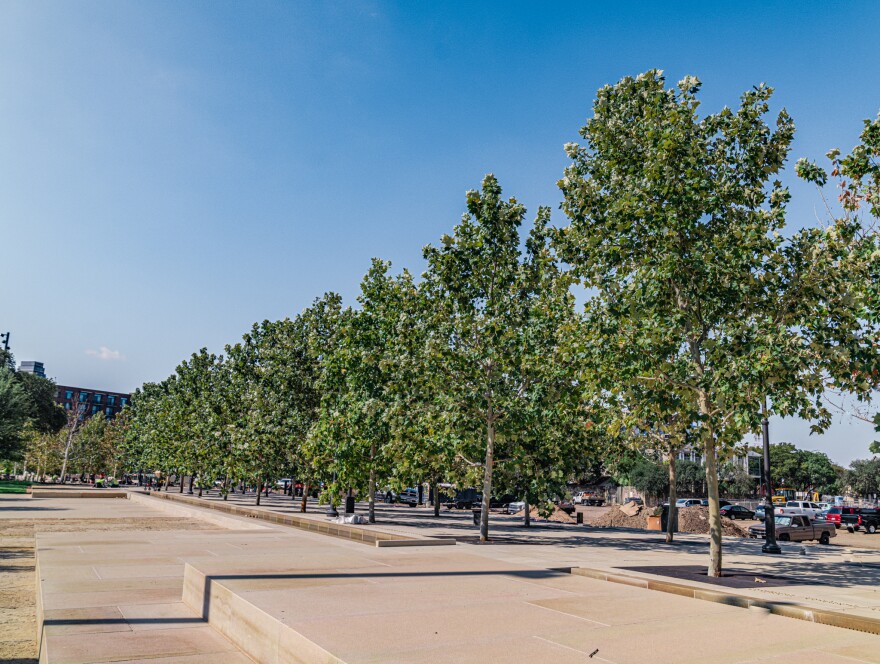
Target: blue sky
point(171, 172)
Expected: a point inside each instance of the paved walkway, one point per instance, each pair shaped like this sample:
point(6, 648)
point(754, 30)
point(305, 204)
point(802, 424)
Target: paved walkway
point(282, 594)
point(838, 578)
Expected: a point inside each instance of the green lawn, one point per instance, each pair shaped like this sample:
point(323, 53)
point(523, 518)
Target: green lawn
point(13, 486)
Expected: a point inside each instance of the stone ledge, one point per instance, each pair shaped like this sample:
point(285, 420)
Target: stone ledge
point(258, 634)
point(786, 609)
point(344, 531)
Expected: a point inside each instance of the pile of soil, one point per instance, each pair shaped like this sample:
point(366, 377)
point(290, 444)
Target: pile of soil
point(695, 519)
point(617, 518)
point(558, 516)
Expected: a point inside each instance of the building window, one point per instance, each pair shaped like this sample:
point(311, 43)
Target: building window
point(123, 401)
point(67, 406)
point(111, 399)
point(94, 409)
point(83, 396)
point(98, 398)
point(108, 411)
point(68, 394)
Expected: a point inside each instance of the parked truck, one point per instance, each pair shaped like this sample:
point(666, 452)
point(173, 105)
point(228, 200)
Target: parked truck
point(867, 518)
point(797, 528)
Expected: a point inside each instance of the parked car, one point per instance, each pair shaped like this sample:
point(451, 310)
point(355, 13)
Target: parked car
point(834, 514)
point(734, 512)
point(705, 502)
point(688, 502)
point(824, 506)
point(516, 506)
point(866, 517)
point(566, 506)
point(805, 507)
point(635, 500)
point(797, 528)
point(409, 497)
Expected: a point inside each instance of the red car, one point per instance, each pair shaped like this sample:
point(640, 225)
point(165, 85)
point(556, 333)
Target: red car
point(834, 513)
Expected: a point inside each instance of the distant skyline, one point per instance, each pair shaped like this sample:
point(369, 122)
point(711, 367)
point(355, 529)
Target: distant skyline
point(172, 172)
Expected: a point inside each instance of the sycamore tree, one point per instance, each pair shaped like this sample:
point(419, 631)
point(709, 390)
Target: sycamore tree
point(857, 217)
point(675, 228)
point(487, 354)
point(354, 426)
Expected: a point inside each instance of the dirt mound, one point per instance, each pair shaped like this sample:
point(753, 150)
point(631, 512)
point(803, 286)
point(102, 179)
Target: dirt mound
point(558, 515)
point(695, 519)
point(617, 518)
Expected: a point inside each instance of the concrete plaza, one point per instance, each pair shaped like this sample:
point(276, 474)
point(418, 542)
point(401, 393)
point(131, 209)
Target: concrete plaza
point(250, 590)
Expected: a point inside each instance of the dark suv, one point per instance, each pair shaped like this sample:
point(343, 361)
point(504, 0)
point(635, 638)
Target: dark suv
point(867, 518)
point(834, 514)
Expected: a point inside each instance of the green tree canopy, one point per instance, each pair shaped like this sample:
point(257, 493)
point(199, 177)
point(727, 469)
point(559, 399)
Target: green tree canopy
point(675, 228)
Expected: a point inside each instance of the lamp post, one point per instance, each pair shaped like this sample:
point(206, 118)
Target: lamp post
point(770, 545)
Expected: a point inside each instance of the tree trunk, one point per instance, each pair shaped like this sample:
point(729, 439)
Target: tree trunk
point(200, 488)
point(167, 481)
point(182, 481)
point(487, 476)
point(711, 490)
point(305, 497)
point(70, 435)
point(670, 515)
point(192, 480)
point(436, 497)
point(259, 490)
point(527, 516)
point(371, 515)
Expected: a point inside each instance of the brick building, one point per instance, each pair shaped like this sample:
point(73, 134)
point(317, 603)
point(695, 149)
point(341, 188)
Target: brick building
point(95, 401)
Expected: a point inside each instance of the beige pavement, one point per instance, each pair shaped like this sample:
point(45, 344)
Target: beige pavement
point(282, 594)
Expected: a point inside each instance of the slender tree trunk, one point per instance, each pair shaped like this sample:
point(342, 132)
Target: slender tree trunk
point(305, 496)
point(371, 516)
point(167, 481)
point(182, 482)
point(69, 442)
point(670, 515)
point(487, 475)
point(436, 497)
point(527, 516)
point(226, 487)
point(711, 490)
point(259, 490)
point(200, 486)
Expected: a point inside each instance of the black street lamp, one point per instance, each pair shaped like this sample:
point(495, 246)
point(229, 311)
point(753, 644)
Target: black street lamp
point(770, 545)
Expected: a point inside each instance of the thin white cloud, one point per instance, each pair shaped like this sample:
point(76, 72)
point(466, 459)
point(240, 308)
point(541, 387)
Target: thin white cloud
point(104, 353)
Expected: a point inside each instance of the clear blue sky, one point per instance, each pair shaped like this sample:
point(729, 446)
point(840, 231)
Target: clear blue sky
point(171, 172)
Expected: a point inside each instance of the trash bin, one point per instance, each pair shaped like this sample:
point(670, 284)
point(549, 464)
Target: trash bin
point(580, 518)
point(349, 504)
point(476, 512)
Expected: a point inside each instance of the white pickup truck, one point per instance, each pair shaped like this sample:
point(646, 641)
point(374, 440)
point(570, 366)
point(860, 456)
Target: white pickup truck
point(803, 507)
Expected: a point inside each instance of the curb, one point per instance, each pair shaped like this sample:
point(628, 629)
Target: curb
point(344, 531)
point(786, 609)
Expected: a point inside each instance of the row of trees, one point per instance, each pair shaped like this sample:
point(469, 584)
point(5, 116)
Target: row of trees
point(702, 315)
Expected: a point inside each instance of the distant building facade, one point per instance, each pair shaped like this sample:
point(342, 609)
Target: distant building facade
point(92, 401)
point(33, 367)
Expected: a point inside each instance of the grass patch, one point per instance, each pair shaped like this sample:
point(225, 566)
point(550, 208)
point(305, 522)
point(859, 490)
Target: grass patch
point(13, 486)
